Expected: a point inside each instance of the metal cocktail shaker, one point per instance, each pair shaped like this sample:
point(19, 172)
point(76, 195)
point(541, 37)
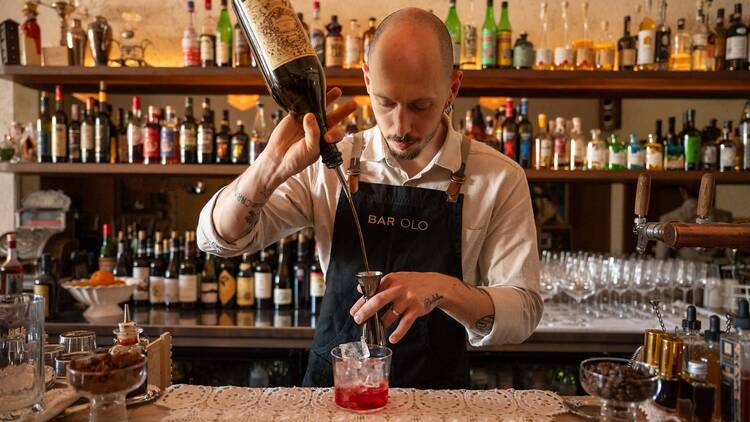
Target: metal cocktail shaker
point(372, 330)
point(76, 41)
point(100, 40)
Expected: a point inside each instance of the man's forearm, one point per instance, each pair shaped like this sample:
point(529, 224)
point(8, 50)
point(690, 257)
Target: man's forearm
point(469, 305)
point(239, 206)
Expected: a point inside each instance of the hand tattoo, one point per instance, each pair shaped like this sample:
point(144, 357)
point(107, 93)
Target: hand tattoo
point(430, 302)
point(484, 324)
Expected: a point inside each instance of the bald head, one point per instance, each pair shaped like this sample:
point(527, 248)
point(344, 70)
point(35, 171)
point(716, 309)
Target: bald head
point(414, 27)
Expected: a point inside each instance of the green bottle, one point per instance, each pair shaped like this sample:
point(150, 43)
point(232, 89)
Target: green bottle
point(504, 39)
point(617, 153)
point(224, 38)
point(454, 28)
point(691, 141)
point(489, 38)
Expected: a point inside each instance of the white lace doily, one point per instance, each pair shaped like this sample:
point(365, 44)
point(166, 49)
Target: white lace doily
point(195, 403)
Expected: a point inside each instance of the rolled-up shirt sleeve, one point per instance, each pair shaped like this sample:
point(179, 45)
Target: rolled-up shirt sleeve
point(509, 266)
point(288, 210)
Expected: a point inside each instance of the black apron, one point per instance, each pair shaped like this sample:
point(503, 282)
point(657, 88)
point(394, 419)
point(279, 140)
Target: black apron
point(405, 229)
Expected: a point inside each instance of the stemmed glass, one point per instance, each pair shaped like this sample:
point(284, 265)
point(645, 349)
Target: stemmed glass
point(579, 286)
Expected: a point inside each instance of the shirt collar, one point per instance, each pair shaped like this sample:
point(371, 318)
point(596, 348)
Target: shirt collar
point(448, 156)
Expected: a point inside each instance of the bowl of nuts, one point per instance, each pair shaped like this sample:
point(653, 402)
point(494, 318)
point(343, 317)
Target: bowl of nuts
point(621, 385)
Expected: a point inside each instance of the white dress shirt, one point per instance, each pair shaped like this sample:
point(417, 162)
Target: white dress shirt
point(498, 235)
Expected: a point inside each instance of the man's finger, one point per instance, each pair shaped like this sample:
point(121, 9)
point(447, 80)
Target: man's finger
point(335, 135)
point(403, 327)
point(374, 304)
point(389, 317)
point(358, 304)
point(332, 95)
point(337, 116)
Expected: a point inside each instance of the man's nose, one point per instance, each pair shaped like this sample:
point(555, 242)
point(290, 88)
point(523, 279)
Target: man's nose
point(403, 121)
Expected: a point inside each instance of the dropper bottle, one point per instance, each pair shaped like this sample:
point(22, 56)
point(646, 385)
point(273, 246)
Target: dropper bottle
point(730, 359)
point(709, 354)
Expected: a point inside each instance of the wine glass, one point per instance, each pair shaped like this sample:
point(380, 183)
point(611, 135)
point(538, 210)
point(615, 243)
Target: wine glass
point(579, 286)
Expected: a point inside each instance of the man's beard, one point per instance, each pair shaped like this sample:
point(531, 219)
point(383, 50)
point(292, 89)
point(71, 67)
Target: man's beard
point(416, 145)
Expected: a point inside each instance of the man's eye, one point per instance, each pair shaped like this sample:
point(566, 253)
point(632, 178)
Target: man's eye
point(387, 104)
point(420, 107)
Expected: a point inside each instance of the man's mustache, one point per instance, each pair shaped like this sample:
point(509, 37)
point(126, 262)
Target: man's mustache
point(404, 139)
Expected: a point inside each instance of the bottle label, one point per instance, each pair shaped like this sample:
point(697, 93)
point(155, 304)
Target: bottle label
point(509, 143)
point(646, 50)
point(353, 51)
point(279, 33)
point(489, 47)
point(595, 157)
point(654, 159)
point(188, 288)
point(564, 56)
point(627, 57)
point(135, 135)
point(74, 143)
point(208, 293)
point(578, 151)
point(59, 133)
point(523, 57)
point(156, 289)
point(745, 141)
point(505, 49)
point(190, 51)
point(141, 289)
point(318, 41)
point(605, 58)
point(222, 148)
point(636, 158)
point(282, 296)
point(469, 45)
point(545, 152)
point(561, 149)
point(456, 38)
point(43, 291)
point(207, 48)
point(87, 137)
point(525, 150)
point(228, 286)
point(13, 283)
point(151, 143)
point(205, 140)
point(334, 52)
point(692, 150)
point(245, 291)
point(543, 57)
point(238, 150)
point(728, 157)
point(263, 285)
point(171, 290)
point(675, 162)
point(737, 47)
point(585, 57)
point(317, 284)
point(710, 154)
point(106, 263)
point(101, 139)
point(617, 158)
point(223, 55)
point(43, 144)
point(700, 40)
point(663, 39)
point(167, 143)
point(188, 139)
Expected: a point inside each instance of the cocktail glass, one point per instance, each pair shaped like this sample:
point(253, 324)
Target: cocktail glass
point(361, 385)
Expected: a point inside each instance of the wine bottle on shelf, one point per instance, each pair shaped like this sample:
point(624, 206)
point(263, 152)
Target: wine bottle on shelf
point(44, 130)
point(223, 140)
point(291, 68)
point(157, 266)
point(142, 272)
point(229, 286)
point(596, 151)
point(282, 283)
point(188, 276)
point(720, 42)
point(691, 141)
point(209, 283)
point(510, 132)
point(577, 145)
point(300, 286)
point(263, 276)
point(317, 284)
point(108, 250)
point(241, 48)
point(561, 154)
point(257, 142)
point(188, 135)
point(74, 135)
point(453, 24)
point(489, 38)
point(245, 284)
point(171, 274)
point(701, 56)
point(168, 147)
point(504, 38)
point(207, 40)
point(224, 37)
point(663, 39)
point(11, 271)
point(636, 157)
point(59, 132)
point(152, 137)
point(102, 128)
point(334, 44)
point(239, 145)
point(626, 48)
point(87, 133)
point(523, 52)
point(618, 151)
point(123, 263)
point(135, 133)
point(206, 134)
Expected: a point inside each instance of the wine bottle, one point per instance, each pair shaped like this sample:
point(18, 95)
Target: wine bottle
point(288, 63)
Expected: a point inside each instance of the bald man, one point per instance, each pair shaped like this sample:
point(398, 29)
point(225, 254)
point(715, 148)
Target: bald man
point(448, 220)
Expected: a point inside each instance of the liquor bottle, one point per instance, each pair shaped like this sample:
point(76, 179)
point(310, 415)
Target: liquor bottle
point(190, 45)
point(223, 140)
point(584, 47)
point(525, 133)
point(207, 39)
point(152, 137)
point(674, 152)
point(334, 44)
point(709, 155)
point(59, 130)
point(744, 138)
point(317, 34)
point(561, 152)
point(523, 52)
point(719, 42)
point(228, 283)
point(596, 152)
point(108, 250)
point(123, 263)
point(605, 49)
point(470, 40)
point(245, 284)
point(626, 48)
point(87, 133)
point(655, 149)
point(727, 149)
point(241, 47)
point(135, 133)
point(209, 283)
point(543, 59)
point(504, 39)
point(577, 159)
point(74, 135)
point(617, 157)
point(662, 40)
point(369, 34)
point(44, 130)
point(188, 135)
point(353, 47)
point(263, 276)
point(157, 266)
point(121, 135)
point(206, 134)
point(636, 159)
point(188, 276)
point(700, 59)
point(240, 145)
point(142, 272)
point(565, 55)
point(542, 145)
point(301, 283)
point(476, 129)
point(681, 58)
point(453, 24)
point(223, 38)
point(171, 274)
point(737, 41)
point(489, 38)
point(691, 141)
point(11, 272)
point(283, 279)
point(102, 128)
point(509, 137)
point(31, 37)
point(646, 39)
point(258, 139)
point(168, 138)
point(317, 284)
point(45, 285)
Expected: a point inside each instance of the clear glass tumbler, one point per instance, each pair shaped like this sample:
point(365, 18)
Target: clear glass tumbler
point(362, 385)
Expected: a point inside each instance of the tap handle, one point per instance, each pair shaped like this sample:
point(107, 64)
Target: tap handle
point(706, 195)
point(642, 195)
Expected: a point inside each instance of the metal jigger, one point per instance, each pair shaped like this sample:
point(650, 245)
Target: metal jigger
point(372, 330)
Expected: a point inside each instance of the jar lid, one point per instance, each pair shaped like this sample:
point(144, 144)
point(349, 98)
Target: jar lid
point(697, 369)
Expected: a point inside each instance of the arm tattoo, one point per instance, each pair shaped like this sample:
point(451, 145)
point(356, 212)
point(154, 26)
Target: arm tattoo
point(253, 215)
point(484, 324)
point(431, 301)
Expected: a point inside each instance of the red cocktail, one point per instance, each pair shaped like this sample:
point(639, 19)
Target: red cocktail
point(362, 398)
point(361, 384)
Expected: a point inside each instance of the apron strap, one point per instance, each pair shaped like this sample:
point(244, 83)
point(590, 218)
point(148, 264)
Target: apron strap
point(458, 177)
point(353, 171)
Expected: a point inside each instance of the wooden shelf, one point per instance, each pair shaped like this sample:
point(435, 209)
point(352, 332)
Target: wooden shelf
point(229, 170)
point(181, 80)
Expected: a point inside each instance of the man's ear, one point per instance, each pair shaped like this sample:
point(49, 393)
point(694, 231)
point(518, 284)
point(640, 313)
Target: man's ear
point(456, 79)
point(366, 76)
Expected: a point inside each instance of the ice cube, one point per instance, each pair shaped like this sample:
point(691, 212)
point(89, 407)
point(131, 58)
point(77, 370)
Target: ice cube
point(355, 350)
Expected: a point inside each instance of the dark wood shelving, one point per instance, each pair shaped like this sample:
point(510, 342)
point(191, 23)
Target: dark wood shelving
point(229, 170)
point(181, 80)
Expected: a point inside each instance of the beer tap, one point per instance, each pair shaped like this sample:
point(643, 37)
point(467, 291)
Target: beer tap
point(687, 235)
